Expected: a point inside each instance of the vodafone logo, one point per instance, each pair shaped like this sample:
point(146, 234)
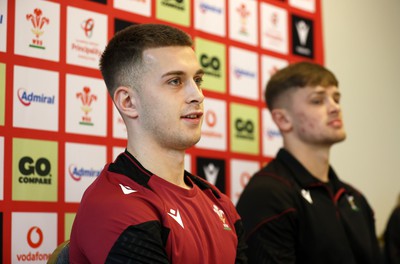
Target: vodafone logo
point(34, 237)
point(244, 178)
point(211, 118)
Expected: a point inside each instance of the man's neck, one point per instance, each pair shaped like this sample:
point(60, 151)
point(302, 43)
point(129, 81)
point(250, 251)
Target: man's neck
point(166, 164)
point(314, 158)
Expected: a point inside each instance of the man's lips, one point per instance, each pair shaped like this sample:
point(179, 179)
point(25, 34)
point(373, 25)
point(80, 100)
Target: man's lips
point(193, 118)
point(337, 123)
point(194, 115)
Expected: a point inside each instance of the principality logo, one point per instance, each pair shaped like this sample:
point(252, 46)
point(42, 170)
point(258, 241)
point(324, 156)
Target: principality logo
point(27, 98)
point(87, 27)
point(221, 216)
point(243, 13)
point(38, 21)
point(86, 98)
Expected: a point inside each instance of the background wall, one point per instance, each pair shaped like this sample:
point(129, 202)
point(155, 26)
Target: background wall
point(362, 46)
point(58, 127)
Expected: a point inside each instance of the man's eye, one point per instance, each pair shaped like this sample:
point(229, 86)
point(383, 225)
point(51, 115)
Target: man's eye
point(175, 82)
point(198, 81)
point(317, 101)
point(337, 100)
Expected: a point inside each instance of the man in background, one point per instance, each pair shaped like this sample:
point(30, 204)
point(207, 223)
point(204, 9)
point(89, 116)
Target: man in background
point(296, 209)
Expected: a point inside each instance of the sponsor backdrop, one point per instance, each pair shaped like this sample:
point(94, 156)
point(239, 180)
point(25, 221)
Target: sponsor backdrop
point(58, 127)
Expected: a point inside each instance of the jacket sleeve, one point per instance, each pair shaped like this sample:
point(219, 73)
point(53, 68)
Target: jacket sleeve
point(143, 243)
point(241, 247)
point(267, 209)
point(273, 241)
point(392, 238)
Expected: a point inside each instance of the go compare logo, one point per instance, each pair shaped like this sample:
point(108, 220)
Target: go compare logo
point(35, 170)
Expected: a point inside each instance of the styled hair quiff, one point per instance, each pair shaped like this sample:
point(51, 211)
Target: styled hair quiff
point(295, 76)
point(121, 63)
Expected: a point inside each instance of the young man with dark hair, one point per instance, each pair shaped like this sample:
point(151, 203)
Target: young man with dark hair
point(296, 209)
point(144, 207)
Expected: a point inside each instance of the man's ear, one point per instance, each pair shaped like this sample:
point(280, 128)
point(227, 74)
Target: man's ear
point(282, 119)
point(125, 101)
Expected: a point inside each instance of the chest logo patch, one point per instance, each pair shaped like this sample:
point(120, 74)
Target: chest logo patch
point(352, 204)
point(306, 195)
point(176, 216)
point(126, 189)
point(221, 216)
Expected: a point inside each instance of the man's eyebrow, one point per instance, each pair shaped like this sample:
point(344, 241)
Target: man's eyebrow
point(200, 71)
point(322, 92)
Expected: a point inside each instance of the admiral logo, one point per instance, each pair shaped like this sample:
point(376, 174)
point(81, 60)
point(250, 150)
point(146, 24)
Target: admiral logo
point(271, 134)
point(303, 36)
point(38, 21)
point(211, 65)
point(87, 27)
point(244, 129)
point(34, 172)
point(77, 173)
point(243, 13)
point(204, 7)
point(86, 98)
point(35, 239)
point(177, 4)
point(242, 72)
point(27, 98)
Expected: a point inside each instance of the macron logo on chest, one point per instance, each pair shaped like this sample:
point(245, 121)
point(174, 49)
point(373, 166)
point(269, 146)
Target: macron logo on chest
point(126, 189)
point(176, 216)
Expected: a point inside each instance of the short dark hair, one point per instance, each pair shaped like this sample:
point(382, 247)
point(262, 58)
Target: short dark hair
point(121, 61)
point(297, 75)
